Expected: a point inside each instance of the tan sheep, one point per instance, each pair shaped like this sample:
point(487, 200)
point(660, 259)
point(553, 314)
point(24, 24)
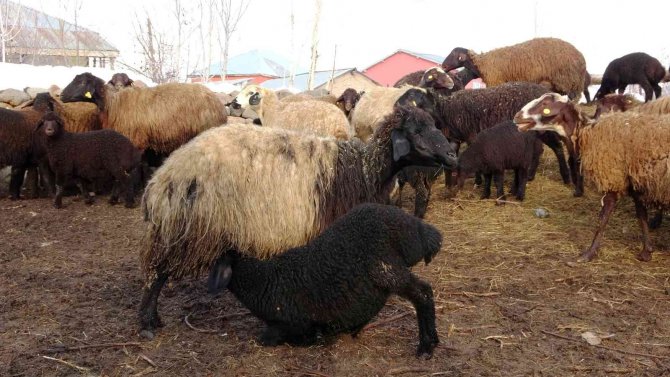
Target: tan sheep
point(552, 62)
point(317, 117)
point(623, 153)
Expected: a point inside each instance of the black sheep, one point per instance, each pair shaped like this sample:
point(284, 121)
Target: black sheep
point(89, 157)
point(421, 178)
point(636, 68)
point(587, 83)
point(499, 148)
point(339, 281)
point(17, 147)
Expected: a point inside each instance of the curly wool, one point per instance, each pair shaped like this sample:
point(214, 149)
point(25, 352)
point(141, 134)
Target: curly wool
point(547, 61)
point(616, 153)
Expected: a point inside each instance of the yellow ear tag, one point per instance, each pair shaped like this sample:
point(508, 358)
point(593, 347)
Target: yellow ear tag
point(430, 77)
point(88, 95)
point(413, 103)
point(546, 111)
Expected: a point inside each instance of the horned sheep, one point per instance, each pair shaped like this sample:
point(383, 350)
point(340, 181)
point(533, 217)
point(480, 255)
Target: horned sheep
point(615, 152)
point(555, 63)
point(372, 247)
point(317, 117)
point(261, 191)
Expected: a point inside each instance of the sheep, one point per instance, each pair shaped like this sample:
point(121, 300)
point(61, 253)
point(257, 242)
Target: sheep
point(161, 118)
point(87, 157)
point(212, 194)
point(17, 146)
point(371, 248)
point(316, 117)
point(119, 81)
point(499, 148)
point(435, 77)
point(548, 61)
point(348, 100)
point(421, 178)
point(636, 68)
point(464, 114)
point(615, 152)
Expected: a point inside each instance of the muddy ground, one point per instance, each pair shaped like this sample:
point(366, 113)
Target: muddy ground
point(511, 299)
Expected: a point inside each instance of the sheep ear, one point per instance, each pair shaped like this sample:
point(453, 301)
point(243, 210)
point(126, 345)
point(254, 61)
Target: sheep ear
point(39, 125)
point(219, 275)
point(400, 145)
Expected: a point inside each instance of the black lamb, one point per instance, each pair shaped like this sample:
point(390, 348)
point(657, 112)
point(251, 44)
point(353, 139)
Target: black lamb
point(499, 148)
point(636, 68)
point(339, 281)
point(88, 157)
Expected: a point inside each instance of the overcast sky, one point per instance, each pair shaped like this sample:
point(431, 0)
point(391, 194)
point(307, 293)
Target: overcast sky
point(366, 31)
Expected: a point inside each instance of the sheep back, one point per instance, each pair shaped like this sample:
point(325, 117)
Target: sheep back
point(549, 61)
point(617, 152)
point(218, 204)
point(371, 109)
point(16, 134)
point(79, 116)
point(163, 117)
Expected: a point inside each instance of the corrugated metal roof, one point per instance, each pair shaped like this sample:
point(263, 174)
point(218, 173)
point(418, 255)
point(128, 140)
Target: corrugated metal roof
point(300, 81)
point(255, 62)
point(40, 32)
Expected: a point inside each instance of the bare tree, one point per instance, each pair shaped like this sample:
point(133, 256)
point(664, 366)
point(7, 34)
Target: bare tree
point(10, 24)
point(159, 64)
point(315, 42)
point(229, 16)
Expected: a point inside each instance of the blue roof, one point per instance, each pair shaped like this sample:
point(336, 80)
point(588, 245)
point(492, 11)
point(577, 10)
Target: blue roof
point(300, 81)
point(262, 62)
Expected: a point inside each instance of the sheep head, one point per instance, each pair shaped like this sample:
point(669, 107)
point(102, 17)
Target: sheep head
point(615, 102)
point(43, 102)
point(348, 100)
point(120, 80)
point(250, 96)
point(416, 141)
point(436, 78)
point(51, 123)
point(85, 88)
point(550, 112)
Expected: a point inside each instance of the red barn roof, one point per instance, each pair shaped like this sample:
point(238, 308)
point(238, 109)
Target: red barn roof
point(390, 69)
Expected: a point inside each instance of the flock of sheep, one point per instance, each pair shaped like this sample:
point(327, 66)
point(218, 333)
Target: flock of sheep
point(277, 213)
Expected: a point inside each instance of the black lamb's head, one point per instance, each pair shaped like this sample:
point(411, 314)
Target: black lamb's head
point(51, 124)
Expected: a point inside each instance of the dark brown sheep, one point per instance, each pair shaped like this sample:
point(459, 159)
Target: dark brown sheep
point(636, 68)
point(347, 100)
point(120, 81)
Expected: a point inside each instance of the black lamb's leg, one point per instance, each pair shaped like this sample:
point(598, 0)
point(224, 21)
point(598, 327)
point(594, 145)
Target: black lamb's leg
point(641, 214)
point(16, 181)
point(657, 90)
point(609, 203)
point(148, 312)
point(420, 294)
point(422, 195)
point(32, 182)
point(522, 175)
point(499, 178)
point(553, 141)
point(648, 91)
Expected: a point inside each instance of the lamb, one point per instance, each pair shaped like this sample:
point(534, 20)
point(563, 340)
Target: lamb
point(119, 81)
point(17, 145)
point(436, 78)
point(499, 148)
point(348, 100)
point(371, 248)
point(161, 118)
point(554, 63)
point(261, 191)
point(316, 117)
point(636, 68)
point(87, 157)
point(464, 114)
point(615, 152)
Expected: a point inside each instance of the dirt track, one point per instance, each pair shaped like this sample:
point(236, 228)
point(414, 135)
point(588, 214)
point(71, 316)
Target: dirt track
point(510, 299)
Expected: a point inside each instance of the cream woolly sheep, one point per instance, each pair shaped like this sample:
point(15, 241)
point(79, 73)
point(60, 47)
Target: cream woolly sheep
point(548, 61)
point(616, 153)
point(161, 118)
point(317, 117)
point(262, 190)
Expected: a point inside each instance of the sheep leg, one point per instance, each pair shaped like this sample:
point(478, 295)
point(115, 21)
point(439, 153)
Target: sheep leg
point(420, 294)
point(114, 195)
point(148, 313)
point(521, 177)
point(555, 144)
point(656, 221)
point(401, 184)
point(609, 203)
point(487, 186)
point(515, 184)
point(499, 178)
point(648, 91)
point(641, 213)
point(47, 177)
point(657, 90)
point(422, 195)
point(16, 181)
point(535, 162)
point(86, 193)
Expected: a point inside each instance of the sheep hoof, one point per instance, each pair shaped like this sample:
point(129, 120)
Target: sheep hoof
point(586, 257)
point(58, 205)
point(578, 194)
point(425, 351)
point(129, 205)
point(643, 256)
point(88, 201)
point(147, 334)
point(112, 200)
